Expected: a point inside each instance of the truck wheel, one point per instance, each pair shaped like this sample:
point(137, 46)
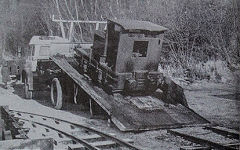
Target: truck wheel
point(28, 94)
point(56, 94)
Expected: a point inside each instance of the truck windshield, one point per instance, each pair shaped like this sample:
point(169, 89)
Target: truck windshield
point(44, 51)
point(32, 49)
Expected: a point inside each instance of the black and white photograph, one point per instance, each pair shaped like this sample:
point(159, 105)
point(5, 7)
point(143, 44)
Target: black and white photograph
point(119, 74)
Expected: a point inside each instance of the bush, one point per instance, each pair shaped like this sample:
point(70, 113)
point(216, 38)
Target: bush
point(216, 71)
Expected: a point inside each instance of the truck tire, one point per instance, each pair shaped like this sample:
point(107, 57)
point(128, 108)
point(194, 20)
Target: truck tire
point(56, 94)
point(28, 94)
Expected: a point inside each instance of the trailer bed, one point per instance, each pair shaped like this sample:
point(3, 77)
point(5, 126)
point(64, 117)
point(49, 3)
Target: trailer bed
point(133, 113)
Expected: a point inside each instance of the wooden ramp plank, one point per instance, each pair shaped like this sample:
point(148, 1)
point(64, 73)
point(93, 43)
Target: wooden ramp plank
point(79, 79)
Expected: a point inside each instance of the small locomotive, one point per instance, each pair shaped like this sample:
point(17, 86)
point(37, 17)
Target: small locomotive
point(125, 58)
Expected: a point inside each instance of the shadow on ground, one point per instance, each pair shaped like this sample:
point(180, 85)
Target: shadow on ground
point(235, 96)
point(44, 98)
point(2, 86)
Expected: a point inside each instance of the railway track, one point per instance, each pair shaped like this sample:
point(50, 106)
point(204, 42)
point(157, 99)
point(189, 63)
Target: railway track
point(69, 135)
point(209, 137)
point(73, 136)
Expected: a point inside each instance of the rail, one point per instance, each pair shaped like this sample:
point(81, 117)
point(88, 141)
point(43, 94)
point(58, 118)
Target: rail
point(18, 115)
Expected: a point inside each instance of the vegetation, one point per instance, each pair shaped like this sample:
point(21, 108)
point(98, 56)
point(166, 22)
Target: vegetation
point(200, 31)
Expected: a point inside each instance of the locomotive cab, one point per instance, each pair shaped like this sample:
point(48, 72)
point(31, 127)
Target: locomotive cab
point(133, 45)
point(127, 55)
point(132, 50)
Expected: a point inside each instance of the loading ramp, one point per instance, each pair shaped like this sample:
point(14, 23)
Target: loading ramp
point(133, 113)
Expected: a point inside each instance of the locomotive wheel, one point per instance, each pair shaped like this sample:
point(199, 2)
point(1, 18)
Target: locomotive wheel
point(56, 94)
point(28, 94)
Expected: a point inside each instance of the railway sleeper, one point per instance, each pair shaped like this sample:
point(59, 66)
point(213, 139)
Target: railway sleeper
point(20, 136)
point(64, 141)
point(76, 147)
point(195, 148)
point(9, 126)
point(233, 145)
point(104, 144)
point(86, 137)
point(91, 138)
point(22, 133)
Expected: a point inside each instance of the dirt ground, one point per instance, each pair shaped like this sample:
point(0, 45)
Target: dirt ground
point(217, 102)
point(214, 101)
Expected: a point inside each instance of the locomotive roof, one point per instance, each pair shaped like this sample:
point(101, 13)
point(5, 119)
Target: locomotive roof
point(128, 24)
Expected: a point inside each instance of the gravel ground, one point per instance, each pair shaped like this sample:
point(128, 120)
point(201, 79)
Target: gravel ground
point(203, 97)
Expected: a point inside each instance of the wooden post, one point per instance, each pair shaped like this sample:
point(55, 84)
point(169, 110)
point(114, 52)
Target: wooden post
point(1, 134)
point(105, 49)
point(97, 26)
point(62, 30)
point(90, 55)
point(7, 134)
point(2, 127)
point(91, 106)
point(109, 122)
point(1, 112)
point(75, 87)
point(71, 32)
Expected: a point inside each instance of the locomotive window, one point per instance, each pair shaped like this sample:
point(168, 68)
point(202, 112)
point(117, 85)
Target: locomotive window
point(140, 48)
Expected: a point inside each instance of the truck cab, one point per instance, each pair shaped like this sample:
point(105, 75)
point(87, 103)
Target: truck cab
point(42, 47)
point(35, 72)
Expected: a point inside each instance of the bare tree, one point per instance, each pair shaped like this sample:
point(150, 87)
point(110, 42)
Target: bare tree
point(198, 30)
